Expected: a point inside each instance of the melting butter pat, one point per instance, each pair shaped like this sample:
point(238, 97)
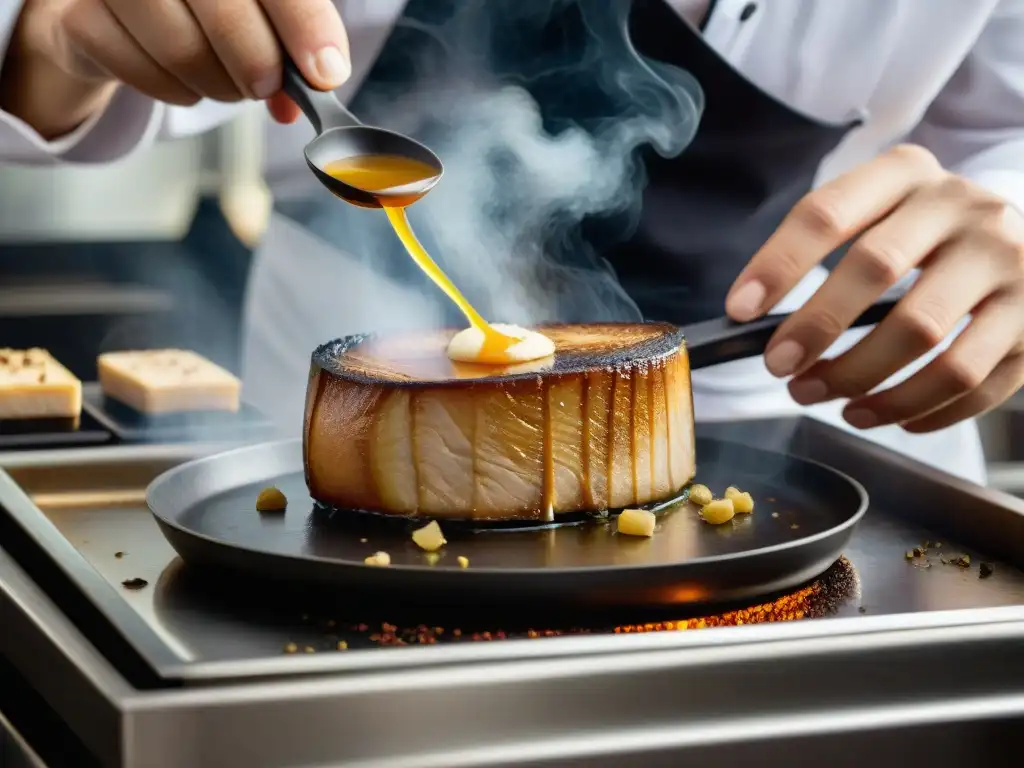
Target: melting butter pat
point(33, 385)
point(471, 346)
point(271, 499)
point(718, 512)
point(701, 494)
point(429, 538)
point(378, 559)
point(168, 381)
point(637, 522)
point(742, 503)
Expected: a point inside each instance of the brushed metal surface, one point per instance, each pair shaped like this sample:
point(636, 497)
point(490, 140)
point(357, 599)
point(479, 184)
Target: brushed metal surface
point(212, 629)
point(15, 752)
point(925, 672)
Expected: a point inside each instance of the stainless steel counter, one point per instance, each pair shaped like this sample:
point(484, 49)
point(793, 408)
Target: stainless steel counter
point(905, 661)
point(15, 752)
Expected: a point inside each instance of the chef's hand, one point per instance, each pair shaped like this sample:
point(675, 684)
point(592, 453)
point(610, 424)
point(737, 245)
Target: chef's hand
point(69, 54)
point(909, 213)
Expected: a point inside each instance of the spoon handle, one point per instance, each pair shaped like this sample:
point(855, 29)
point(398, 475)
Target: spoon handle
point(321, 107)
point(722, 340)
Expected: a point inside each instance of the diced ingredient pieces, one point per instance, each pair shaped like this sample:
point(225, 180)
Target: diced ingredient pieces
point(463, 561)
point(167, 381)
point(429, 538)
point(701, 495)
point(718, 512)
point(731, 492)
point(378, 559)
point(637, 522)
point(33, 385)
point(742, 503)
point(271, 500)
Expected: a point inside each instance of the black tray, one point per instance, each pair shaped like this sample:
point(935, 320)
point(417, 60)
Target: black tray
point(16, 434)
point(130, 426)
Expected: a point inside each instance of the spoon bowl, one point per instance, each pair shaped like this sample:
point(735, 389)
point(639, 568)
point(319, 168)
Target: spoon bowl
point(340, 143)
point(340, 135)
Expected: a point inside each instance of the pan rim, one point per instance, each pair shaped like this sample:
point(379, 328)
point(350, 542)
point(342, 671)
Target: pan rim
point(834, 531)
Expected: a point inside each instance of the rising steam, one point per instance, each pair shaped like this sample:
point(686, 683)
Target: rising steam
point(538, 110)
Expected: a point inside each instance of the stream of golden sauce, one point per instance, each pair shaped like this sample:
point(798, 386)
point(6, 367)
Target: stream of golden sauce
point(377, 173)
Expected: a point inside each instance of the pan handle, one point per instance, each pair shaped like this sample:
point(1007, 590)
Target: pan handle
point(723, 340)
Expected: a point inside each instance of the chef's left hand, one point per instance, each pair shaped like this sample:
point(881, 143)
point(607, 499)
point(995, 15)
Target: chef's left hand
point(910, 213)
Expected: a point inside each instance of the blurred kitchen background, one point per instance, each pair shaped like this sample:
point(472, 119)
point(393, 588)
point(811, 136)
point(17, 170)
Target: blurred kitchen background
point(154, 251)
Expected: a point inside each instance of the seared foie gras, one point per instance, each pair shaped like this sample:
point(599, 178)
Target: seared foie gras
point(33, 385)
point(394, 426)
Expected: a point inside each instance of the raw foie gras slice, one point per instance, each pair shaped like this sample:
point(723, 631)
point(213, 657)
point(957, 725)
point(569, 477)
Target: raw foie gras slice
point(160, 381)
point(394, 426)
point(33, 385)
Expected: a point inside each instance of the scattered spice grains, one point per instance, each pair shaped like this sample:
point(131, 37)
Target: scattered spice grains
point(821, 598)
point(960, 561)
point(918, 556)
point(134, 584)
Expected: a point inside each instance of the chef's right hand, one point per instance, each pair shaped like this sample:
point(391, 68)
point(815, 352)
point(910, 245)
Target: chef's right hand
point(179, 51)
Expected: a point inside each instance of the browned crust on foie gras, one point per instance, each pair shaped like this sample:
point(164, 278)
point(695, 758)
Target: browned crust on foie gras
point(607, 423)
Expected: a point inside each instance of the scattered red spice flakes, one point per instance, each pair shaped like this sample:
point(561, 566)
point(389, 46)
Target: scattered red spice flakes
point(821, 598)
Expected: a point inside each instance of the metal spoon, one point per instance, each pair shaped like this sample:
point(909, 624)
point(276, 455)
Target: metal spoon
point(341, 135)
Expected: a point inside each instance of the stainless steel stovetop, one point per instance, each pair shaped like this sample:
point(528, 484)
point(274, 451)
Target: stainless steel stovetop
point(185, 671)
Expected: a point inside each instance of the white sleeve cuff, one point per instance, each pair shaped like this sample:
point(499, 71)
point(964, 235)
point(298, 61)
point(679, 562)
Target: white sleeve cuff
point(130, 121)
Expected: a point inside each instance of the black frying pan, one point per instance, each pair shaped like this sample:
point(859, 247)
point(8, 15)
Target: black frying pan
point(805, 514)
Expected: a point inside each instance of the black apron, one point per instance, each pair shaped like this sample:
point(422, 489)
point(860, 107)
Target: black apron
point(702, 214)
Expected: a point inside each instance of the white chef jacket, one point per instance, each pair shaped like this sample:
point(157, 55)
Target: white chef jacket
point(948, 74)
